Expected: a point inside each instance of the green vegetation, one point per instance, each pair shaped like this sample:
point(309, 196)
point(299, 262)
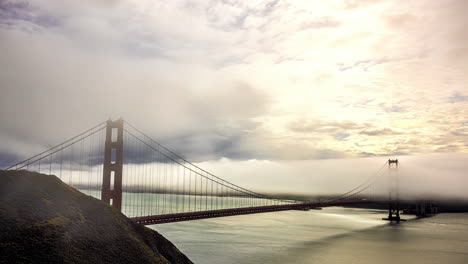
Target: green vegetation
point(42, 220)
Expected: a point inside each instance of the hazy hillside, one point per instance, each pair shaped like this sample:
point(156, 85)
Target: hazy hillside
point(42, 220)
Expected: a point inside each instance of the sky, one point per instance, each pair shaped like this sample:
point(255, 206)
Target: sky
point(281, 90)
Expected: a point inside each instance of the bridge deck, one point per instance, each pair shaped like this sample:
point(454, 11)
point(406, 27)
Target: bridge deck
point(179, 217)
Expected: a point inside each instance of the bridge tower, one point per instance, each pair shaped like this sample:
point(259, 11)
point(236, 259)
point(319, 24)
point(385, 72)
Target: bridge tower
point(111, 192)
point(393, 192)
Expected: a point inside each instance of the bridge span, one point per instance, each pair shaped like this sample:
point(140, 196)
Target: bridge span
point(151, 184)
point(179, 217)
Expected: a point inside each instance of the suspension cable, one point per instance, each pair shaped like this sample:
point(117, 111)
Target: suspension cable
point(183, 159)
point(39, 155)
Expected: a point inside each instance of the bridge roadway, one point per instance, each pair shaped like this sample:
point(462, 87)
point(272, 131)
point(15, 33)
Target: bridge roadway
point(179, 217)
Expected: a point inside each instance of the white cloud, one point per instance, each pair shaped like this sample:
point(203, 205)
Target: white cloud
point(206, 71)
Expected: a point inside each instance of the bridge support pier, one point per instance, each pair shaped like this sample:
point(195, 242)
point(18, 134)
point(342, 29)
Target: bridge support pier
point(111, 191)
point(394, 212)
point(393, 194)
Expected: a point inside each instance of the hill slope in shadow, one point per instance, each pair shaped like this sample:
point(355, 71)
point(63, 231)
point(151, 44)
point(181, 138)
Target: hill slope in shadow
point(43, 220)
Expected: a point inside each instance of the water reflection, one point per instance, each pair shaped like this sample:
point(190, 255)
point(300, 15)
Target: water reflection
point(332, 235)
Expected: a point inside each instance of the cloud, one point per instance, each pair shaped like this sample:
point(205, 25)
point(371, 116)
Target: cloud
point(12, 13)
point(342, 136)
point(324, 126)
point(380, 132)
point(273, 95)
point(69, 89)
point(418, 175)
point(352, 4)
point(244, 80)
point(365, 64)
point(324, 22)
point(457, 97)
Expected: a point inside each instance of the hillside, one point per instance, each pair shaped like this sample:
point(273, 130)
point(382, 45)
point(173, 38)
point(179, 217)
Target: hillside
point(43, 220)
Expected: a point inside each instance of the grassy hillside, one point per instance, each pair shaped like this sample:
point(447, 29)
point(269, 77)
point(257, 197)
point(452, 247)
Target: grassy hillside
point(43, 220)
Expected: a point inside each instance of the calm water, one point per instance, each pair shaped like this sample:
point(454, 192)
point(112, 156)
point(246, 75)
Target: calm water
point(143, 204)
point(331, 235)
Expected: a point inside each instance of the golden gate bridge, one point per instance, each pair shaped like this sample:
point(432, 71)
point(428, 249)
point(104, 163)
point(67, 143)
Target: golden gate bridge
point(125, 168)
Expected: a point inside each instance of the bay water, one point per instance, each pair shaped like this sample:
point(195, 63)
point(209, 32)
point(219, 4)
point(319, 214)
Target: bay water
point(332, 235)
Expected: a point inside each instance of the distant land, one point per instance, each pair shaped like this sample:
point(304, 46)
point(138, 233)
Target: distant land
point(444, 204)
point(43, 220)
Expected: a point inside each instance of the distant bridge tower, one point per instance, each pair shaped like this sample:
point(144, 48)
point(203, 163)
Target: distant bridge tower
point(393, 192)
point(111, 192)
